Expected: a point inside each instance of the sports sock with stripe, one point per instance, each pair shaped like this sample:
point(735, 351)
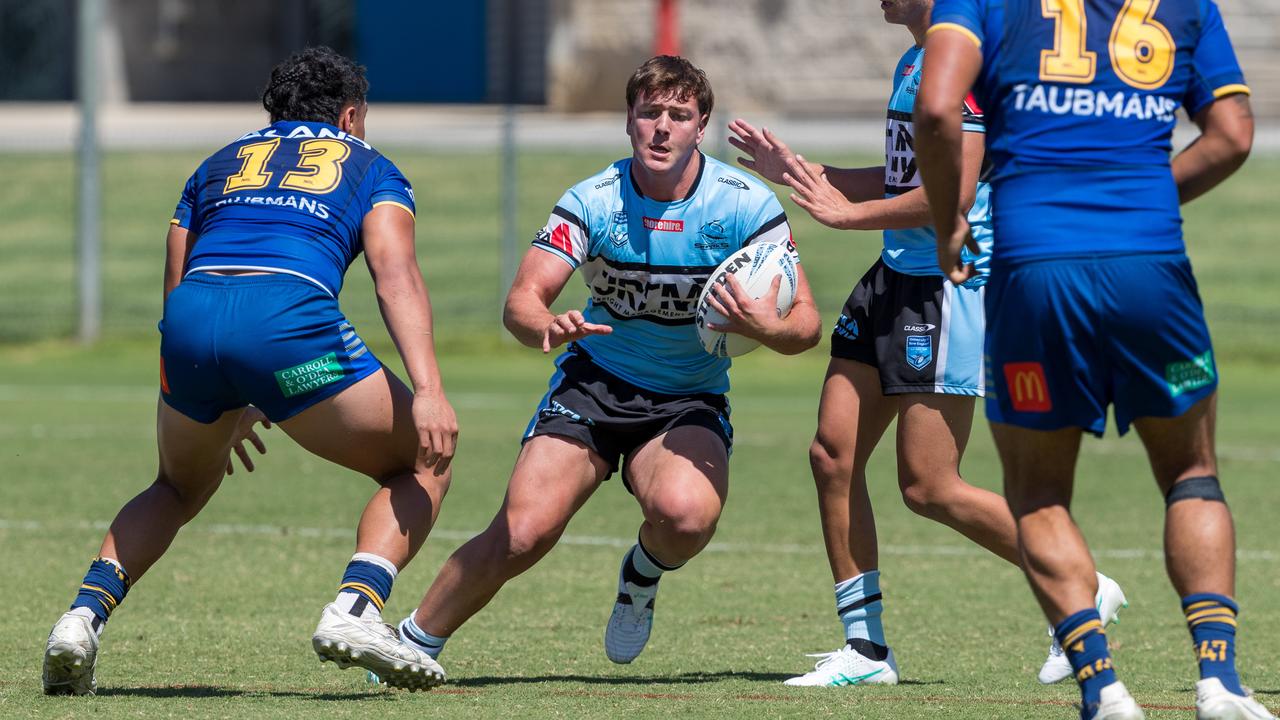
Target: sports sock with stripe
point(366, 585)
point(430, 644)
point(103, 589)
point(1083, 639)
point(1212, 621)
point(641, 568)
point(859, 605)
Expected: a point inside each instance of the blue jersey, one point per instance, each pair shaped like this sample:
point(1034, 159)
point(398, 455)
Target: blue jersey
point(1080, 98)
point(645, 263)
point(289, 198)
point(914, 251)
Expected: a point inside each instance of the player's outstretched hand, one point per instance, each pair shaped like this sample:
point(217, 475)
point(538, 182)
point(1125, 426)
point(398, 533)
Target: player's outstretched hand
point(437, 427)
point(949, 251)
point(569, 327)
point(245, 431)
point(756, 318)
point(815, 193)
point(767, 154)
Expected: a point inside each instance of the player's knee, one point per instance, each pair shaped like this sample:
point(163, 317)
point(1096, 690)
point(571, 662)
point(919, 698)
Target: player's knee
point(190, 500)
point(830, 466)
point(1195, 488)
point(924, 500)
point(685, 519)
point(526, 542)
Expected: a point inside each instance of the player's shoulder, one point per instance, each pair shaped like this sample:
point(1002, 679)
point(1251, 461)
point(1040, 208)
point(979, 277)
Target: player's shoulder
point(729, 183)
point(604, 182)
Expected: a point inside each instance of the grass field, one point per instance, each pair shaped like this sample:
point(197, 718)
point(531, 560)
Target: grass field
point(220, 628)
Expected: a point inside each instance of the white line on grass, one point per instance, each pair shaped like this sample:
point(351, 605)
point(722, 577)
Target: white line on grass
point(37, 526)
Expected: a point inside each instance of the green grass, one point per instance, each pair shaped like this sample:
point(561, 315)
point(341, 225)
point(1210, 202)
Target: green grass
point(220, 627)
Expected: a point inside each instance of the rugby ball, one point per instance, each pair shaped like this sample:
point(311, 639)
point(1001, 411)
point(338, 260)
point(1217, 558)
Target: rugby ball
point(755, 267)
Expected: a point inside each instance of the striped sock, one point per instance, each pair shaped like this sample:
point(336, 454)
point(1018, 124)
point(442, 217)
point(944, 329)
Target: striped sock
point(1085, 642)
point(642, 569)
point(859, 605)
point(366, 585)
point(430, 644)
point(103, 589)
point(1212, 622)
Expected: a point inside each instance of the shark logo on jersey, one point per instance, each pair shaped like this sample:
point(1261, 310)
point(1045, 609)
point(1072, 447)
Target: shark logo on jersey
point(847, 327)
point(713, 236)
point(618, 229)
point(919, 351)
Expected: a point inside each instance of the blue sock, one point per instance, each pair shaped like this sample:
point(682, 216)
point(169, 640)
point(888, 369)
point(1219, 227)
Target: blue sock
point(642, 569)
point(858, 603)
point(430, 644)
point(1085, 642)
point(104, 587)
point(366, 584)
point(1212, 622)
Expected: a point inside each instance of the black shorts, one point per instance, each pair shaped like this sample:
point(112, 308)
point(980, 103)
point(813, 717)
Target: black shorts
point(921, 332)
point(613, 417)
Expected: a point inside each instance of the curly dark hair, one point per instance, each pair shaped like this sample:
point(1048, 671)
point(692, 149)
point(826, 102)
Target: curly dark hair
point(671, 75)
point(313, 86)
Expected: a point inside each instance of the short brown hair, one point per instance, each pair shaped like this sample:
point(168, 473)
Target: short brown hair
point(671, 75)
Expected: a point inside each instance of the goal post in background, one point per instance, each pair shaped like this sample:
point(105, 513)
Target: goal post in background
point(89, 173)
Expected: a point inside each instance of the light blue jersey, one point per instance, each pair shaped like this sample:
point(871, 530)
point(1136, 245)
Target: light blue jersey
point(914, 251)
point(645, 263)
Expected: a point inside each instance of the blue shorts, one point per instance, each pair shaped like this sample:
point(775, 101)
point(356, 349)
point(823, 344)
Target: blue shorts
point(276, 341)
point(1066, 337)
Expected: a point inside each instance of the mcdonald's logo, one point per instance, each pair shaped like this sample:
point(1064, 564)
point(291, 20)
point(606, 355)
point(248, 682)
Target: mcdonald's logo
point(1028, 390)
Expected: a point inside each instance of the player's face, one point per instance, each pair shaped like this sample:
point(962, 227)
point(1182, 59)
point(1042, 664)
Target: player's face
point(664, 131)
point(905, 12)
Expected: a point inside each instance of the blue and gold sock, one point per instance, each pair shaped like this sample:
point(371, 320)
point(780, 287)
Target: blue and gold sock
point(366, 585)
point(1212, 621)
point(103, 589)
point(859, 605)
point(1084, 640)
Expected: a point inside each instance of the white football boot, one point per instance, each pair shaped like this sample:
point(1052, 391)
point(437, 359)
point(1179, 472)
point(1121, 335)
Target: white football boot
point(1215, 702)
point(1115, 703)
point(375, 646)
point(1110, 599)
point(70, 657)
point(631, 622)
point(847, 666)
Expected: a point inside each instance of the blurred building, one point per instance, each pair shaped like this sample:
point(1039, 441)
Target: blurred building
point(789, 56)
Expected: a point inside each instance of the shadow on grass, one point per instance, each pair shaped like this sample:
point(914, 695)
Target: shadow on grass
point(214, 691)
point(692, 678)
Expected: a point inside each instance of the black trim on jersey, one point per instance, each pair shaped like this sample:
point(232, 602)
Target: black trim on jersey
point(558, 252)
point(899, 115)
point(702, 165)
point(561, 212)
point(649, 318)
point(780, 219)
point(656, 269)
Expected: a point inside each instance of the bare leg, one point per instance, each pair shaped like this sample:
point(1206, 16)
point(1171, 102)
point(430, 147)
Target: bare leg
point(852, 417)
point(1039, 472)
point(553, 477)
point(681, 479)
point(932, 433)
point(193, 458)
point(369, 428)
point(1199, 538)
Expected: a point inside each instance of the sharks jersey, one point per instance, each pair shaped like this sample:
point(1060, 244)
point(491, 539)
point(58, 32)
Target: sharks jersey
point(290, 199)
point(1081, 99)
point(645, 263)
point(914, 251)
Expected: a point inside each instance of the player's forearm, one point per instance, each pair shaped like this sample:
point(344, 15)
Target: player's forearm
point(857, 184)
point(908, 210)
point(406, 310)
point(1223, 146)
point(526, 316)
point(177, 249)
point(800, 330)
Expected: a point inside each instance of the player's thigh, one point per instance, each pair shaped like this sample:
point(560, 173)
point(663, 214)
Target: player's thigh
point(1039, 465)
point(933, 431)
point(853, 412)
point(368, 427)
point(1183, 446)
point(193, 454)
point(553, 477)
point(682, 473)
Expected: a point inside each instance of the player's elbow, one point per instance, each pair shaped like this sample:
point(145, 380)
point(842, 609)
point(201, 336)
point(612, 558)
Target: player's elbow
point(931, 114)
point(1238, 142)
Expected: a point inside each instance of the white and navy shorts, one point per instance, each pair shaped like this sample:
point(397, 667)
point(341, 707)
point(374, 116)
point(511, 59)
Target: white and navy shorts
point(923, 333)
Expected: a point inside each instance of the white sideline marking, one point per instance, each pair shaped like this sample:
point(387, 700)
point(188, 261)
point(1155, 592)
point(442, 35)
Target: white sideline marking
point(614, 542)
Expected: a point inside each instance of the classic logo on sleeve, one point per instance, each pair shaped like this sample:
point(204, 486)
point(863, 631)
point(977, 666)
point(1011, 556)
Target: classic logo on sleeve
point(1028, 389)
